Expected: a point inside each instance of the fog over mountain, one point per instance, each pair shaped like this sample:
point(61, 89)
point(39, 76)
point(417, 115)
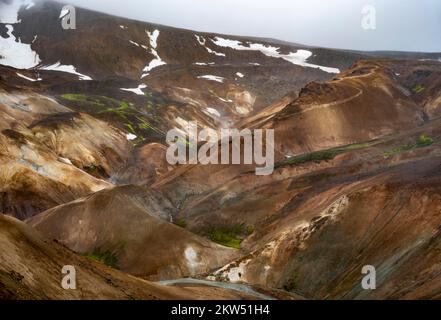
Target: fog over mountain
point(401, 25)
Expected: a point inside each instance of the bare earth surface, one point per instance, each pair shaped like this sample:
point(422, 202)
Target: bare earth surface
point(84, 179)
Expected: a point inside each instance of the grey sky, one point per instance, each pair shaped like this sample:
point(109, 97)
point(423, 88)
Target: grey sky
point(411, 25)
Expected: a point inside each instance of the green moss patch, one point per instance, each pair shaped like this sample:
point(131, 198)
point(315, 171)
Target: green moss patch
point(423, 141)
point(106, 257)
point(181, 223)
point(323, 155)
point(418, 88)
point(230, 236)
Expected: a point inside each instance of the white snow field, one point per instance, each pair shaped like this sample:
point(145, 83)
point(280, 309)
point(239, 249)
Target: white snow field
point(13, 52)
point(65, 68)
point(16, 54)
point(298, 58)
point(157, 61)
point(137, 90)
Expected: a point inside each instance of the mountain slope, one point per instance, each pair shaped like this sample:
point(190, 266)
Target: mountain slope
point(83, 119)
point(132, 223)
point(31, 269)
point(354, 196)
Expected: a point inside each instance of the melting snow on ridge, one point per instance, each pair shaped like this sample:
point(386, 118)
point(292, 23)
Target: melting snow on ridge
point(27, 78)
point(212, 78)
point(16, 54)
point(202, 42)
point(298, 58)
point(65, 68)
point(157, 61)
point(153, 38)
point(137, 90)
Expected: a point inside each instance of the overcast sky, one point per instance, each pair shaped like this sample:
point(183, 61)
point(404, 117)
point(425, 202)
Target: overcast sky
point(411, 25)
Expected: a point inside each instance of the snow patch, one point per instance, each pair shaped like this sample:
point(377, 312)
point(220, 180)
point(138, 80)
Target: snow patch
point(157, 61)
point(200, 39)
point(203, 43)
point(240, 75)
point(137, 90)
point(15, 54)
point(204, 63)
point(153, 36)
point(152, 65)
point(123, 27)
point(131, 136)
point(27, 78)
point(65, 68)
point(298, 58)
point(212, 78)
point(135, 43)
